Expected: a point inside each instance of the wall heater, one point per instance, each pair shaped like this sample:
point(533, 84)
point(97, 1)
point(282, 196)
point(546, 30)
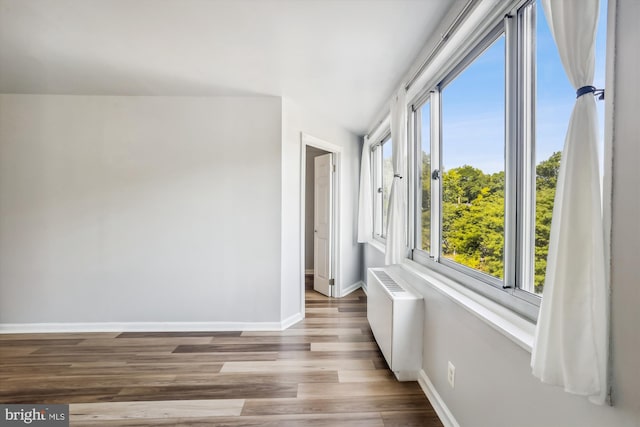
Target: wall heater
point(394, 312)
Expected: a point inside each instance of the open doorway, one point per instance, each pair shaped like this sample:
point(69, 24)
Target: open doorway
point(320, 233)
point(317, 266)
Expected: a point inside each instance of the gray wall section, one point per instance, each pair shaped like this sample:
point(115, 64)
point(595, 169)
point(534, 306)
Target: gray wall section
point(494, 386)
point(625, 237)
point(373, 258)
point(139, 209)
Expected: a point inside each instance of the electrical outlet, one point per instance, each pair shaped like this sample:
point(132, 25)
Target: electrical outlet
point(451, 374)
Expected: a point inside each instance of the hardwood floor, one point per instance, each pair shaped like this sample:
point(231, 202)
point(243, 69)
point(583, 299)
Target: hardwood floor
point(324, 371)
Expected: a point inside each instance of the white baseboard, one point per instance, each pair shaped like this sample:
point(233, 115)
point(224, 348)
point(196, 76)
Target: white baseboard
point(436, 401)
point(407, 375)
point(351, 288)
point(309, 271)
point(28, 328)
point(290, 321)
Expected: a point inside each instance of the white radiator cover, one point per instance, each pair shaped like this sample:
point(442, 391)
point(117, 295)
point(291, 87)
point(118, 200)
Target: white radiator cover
point(395, 313)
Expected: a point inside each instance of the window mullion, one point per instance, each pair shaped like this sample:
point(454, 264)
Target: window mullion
point(414, 200)
point(436, 184)
point(511, 154)
point(527, 90)
point(383, 226)
point(374, 176)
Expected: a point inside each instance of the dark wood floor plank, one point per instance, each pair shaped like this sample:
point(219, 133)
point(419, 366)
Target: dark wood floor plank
point(102, 349)
point(209, 391)
point(331, 315)
point(416, 418)
point(239, 348)
point(260, 378)
point(54, 395)
point(38, 342)
point(372, 419)
point(329, 355)
point(49, 335)
point(180, 358)
point(178, 334)
point(277, 339)
point(350, 390)
point(355, 308)
point(336, 405)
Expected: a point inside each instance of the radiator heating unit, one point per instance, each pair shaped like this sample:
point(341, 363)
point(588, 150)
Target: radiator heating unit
point(394, 312)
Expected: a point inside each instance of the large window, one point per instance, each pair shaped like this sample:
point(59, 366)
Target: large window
point(473, 164)
point(382, 169)
point(486, 148)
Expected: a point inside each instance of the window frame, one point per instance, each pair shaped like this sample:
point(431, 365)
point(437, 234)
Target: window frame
point(377, 176)
point(519, 30)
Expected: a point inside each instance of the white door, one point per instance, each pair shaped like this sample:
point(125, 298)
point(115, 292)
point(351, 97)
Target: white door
point(322, 219)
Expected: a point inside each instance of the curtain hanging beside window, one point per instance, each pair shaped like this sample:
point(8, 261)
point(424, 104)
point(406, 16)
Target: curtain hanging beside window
point(365, 199)
point(572, 334)
point(396, 244)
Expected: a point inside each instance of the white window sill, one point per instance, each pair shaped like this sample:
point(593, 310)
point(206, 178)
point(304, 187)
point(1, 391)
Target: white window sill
point(518, 329)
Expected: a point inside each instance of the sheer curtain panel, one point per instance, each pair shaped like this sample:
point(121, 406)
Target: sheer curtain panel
point(571, 343)
point(365, 200)
point(396, 224)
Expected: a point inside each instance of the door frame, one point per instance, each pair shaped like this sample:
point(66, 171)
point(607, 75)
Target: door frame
point(309, 140)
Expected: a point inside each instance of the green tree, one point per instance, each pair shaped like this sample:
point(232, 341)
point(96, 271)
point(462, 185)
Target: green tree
point(547, 171)
point(546, 181)
point(473, 217)
point(451, 187)
point(426, 202)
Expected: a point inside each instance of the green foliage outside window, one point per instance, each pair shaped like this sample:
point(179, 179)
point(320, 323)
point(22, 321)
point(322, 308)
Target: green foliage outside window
point(473, 216)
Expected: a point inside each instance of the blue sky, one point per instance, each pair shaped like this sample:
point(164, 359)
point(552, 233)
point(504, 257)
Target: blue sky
point(473, 106)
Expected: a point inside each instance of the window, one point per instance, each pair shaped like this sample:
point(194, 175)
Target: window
point(382, 170)
point(423, 238)
point(554, 103)
point(473, 164)
point(486, 147)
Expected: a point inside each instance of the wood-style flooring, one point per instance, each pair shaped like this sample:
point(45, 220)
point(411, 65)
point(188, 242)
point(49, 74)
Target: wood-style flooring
point(324, 371)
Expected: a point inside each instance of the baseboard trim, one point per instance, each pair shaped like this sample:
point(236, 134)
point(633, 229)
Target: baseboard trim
point(27, 328)
point(309, 272)
point(290, 321)
point(351, 288)
point(436, 401)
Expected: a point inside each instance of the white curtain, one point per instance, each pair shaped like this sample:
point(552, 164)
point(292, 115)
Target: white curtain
point(571, 343)
point(396, 218)
point(365, 200)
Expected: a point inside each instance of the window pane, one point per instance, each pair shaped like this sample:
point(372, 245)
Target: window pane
point(387, 179)
point(555, 98)
point(425, 180)
point(376, 170)
point(473, 164)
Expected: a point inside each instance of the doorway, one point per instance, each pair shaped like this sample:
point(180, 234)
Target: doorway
point(320, 166)
point(318, 220)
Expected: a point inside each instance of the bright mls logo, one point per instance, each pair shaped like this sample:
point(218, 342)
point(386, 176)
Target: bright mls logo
point(36, 415)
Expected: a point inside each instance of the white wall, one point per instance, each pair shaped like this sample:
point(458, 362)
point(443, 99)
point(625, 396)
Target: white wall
point(294, 121)
point(625, 236)
point(139, 209)
point(373, 257)
point(494, 386)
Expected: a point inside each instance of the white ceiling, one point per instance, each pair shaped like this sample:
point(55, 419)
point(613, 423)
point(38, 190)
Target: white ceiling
point(339, 58)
